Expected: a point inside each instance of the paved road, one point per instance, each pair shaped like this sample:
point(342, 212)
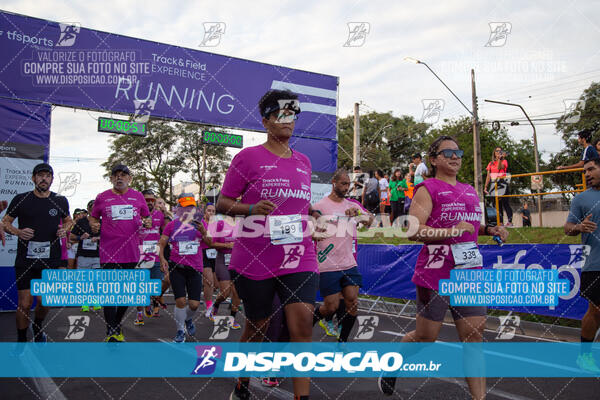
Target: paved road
point(390, 328)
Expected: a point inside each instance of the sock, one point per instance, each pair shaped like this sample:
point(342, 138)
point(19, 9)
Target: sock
point(140, 315)
point(242, 385)
point(22, 335)
point(216, 307)
point(347, 324)
point(341, 311)
point(180, 315)
point(317, 315)
point(305, 397)
point(586, 345)
point(329, 318)
point(209, 304)
point(233, 313)
point(189, 313)
point(37, 327)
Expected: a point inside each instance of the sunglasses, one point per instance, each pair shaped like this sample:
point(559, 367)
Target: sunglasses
point(448, 153)
point(150, 200)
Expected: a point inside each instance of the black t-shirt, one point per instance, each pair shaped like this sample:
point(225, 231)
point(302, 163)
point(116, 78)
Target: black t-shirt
point(43, 215)
point(83, 226)
point(526, 213)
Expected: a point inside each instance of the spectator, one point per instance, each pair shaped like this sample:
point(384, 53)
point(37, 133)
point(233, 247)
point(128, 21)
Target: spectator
point(358, 184)
point(396, 195)
point(383, 191)
point(497, 169)
point(420, 171)
point(597, 145)
point(526, 215)
point(589, 151)
point(370, 196)
point(408, 192)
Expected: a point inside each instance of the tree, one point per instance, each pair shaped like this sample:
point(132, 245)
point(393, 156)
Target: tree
point(192, 151)
point(385, 141)
point(153, 160)
point(584, 116)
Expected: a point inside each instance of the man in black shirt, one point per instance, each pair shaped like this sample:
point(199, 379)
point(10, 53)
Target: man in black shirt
point(40, 213)
point(88, 255)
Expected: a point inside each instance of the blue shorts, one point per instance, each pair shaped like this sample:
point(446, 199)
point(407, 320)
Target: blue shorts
point(333, 282)
point(155, 272)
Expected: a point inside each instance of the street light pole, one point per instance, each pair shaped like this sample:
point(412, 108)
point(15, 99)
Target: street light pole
point(535, 149)
point(476, 142)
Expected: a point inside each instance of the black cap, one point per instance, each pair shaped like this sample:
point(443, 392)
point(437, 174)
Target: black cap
point(77, 211)
point(416, 155)
point(42, 167)
point(90, 203)
point(120, 167)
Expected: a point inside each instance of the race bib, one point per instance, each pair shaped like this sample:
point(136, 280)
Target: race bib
point(122, 212)
point(38, 249)
point(150, 247)
point(227, 258)
point(466, 255)
point(188, 248)
point(285, 229)
point(211, 253)
point(89, 244)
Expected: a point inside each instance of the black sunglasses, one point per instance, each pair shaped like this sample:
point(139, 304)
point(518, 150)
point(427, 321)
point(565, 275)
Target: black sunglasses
point(448, 153)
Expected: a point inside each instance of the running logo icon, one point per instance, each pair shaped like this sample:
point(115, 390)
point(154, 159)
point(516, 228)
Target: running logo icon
point(366, 326)
point(143, 109)
point(508, 327)
point(77, 325)
point(573, 108)
point(437, 255)
point(579, 254)
point(68, 183)
point(499, 32)
point(212, 34)
point(221, 327)
point(432, 109)
point(292, 255)
point(68, 34)
point(207, 359)
point(357, 34)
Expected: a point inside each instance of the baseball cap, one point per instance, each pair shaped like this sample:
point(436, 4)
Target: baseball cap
point(120, 167)
point(42, 167)
point(90, 203)
point(186, 199)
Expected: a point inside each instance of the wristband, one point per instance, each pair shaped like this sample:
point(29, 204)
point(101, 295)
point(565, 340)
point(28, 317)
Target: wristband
point(250, 209)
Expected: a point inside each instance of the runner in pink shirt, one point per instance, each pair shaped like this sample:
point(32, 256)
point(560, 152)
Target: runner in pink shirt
point(336, 254)
point(185, 234)
point(149, 254)
point(448, 214)
point(225, 233)
point(124, 213)
point(273, 252)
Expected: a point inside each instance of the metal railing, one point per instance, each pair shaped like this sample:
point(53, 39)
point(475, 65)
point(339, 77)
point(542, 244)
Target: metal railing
point(539, 193)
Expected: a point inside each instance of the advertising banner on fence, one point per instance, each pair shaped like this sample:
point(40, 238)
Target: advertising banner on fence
point(387, 271)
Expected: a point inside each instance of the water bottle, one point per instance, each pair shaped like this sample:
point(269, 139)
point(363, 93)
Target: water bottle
point(498, 240)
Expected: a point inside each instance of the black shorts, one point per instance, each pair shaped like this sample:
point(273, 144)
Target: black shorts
point(185, 280)
point(332, 282)
point(130, 265)
point(590, 286)
point(299, 287)
point(207, 262)
point(25, 273)
point(432, 306)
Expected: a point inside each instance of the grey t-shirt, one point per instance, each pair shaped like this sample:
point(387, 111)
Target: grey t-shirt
point(582, 205)
point(372, 184)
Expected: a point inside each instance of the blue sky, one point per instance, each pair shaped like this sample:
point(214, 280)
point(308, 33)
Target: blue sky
point(551, 54)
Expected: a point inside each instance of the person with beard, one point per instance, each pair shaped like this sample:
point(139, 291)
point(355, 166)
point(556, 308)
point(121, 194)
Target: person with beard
point(338, 271)
point(123, 212)
point(40, 213)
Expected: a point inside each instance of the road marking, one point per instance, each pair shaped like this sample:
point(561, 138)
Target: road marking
point(45, 386)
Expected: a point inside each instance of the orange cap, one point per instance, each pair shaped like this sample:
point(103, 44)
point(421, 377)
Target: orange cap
point(186, 201)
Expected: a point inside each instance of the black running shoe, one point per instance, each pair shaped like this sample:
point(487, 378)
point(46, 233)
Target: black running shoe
point(386, 384)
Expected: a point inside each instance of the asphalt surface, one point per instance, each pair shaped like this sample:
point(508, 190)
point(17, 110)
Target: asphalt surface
point(389, 328)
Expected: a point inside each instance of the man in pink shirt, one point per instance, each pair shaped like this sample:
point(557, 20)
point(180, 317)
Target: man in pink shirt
point(123, 212)
point(335, 252)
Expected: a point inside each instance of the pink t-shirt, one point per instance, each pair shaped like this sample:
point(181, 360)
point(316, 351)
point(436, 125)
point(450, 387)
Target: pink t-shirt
point(451, 204)
point(150, 237)
point(210, 227)
point(121, 216)
point(257, 174)
point(224, 233)
point(185, 242)
point(337, 253)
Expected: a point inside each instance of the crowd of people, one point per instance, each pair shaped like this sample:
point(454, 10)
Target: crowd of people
point(252, 246)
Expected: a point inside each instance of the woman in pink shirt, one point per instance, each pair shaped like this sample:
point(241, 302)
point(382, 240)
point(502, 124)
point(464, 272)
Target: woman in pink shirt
point(273, 252)
point(448, 214)
point(498, 168)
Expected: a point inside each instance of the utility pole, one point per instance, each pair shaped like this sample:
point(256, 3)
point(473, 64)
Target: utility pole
point(476, 143)
point(202, 190)
point(356, 148)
